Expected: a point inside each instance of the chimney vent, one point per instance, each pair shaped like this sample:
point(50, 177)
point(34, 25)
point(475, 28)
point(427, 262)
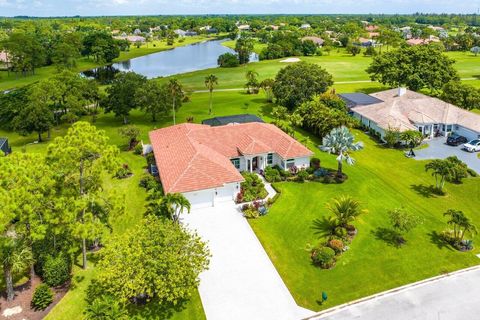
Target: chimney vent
point(402, 91)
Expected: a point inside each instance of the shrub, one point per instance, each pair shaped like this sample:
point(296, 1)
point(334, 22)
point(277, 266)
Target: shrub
point(42, 297)
point(252, 188)
point(123, 172)
point(138, 149)
point(315, 163)
point(251, 213)
point(149, 182)
point(392, 137)
point(472, 172)
point(272, 175)
point(302, 175)
point(56, 270)
point(228, 60)
point(105, 308)
point(324, 257)
point(337, 245)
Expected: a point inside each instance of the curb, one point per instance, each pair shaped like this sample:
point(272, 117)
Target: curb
point(389, 292)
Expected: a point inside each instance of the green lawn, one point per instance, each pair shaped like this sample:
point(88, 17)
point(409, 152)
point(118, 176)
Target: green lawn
point(9, 81)
point(382, 179)
point(344, 68)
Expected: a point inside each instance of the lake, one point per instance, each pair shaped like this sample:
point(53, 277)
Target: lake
point(194, 57)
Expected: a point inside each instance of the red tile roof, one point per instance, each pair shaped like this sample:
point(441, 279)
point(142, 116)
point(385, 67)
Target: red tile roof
point(193, 157)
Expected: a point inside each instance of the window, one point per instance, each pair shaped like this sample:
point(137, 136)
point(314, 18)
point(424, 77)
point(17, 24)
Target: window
point(449, 128)
point(236, 163)
point(270, 159)
point(290, 163)
point(420, 129)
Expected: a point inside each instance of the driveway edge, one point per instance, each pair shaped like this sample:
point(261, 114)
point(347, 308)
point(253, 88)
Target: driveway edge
point(391, 291)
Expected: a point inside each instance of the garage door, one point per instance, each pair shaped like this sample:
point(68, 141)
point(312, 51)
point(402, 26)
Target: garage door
point(200, 199)
point(224, 194)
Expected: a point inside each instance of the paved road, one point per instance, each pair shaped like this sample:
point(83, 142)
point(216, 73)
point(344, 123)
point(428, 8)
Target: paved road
point(456, 297)
point(438, 149)
point(242, 282)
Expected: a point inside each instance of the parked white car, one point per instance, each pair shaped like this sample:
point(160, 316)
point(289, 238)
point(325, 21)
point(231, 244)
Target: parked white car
point(472, 146)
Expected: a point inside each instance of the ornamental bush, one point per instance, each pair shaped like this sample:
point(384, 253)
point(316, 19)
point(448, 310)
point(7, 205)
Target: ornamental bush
point(337, 245)
point(272, 175)
point(56, 270)
point(302, 175)
point(42, 297)
point(324, 257)
point(253, 187)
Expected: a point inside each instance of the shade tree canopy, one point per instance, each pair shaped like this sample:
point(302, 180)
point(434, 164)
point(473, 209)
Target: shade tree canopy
point(299, 82)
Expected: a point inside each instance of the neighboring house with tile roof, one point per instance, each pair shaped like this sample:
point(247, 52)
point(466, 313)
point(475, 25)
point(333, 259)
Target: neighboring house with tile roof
point(404, 110)
point(317, 40)
point(204, 162)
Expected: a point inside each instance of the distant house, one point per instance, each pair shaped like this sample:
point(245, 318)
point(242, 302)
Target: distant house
point(318, 41)
point(4, 147)
point(441, 31)
point(180, 32)
point(243, 27)
point(404, 110)
point(239, 118)
point(132, 39)
point(305, 26)
point(364, 42)
point(190, 33)
point(4, 57)
point(418, 41)
point(137, 32)
point(406, 32)
point(371, 28)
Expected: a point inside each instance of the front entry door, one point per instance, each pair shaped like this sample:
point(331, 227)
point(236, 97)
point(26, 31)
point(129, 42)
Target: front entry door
point(254, 163)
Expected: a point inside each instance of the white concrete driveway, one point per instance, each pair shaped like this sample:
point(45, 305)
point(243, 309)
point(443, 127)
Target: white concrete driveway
point(242, 282)
point(454, 297)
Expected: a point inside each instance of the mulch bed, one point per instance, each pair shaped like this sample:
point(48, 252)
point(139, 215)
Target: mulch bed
point(23, 297)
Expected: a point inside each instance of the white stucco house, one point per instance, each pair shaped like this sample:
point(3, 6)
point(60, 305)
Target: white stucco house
point(404, 110)
point(204, 162)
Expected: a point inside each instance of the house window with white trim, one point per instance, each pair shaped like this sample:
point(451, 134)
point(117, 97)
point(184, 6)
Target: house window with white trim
point(290, 163)
point(236, 163)
point(270, 159)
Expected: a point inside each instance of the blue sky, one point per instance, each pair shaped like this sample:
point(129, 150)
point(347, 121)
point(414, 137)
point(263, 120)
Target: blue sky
point(139, 7)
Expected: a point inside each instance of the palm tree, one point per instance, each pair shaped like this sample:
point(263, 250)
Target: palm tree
point(468, 227)
point(175, 91)
point(267, 86)
point(442, 169)
point(210, 82)
point(345, 210)
point(461, 224)
point(177, 203)
point(252, 82)
point(15, 256)
point(456, 217)
point(340, 141)
point(171, 205)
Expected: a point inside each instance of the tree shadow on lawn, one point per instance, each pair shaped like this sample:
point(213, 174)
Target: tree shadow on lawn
point(424, 191)
point(155, 310)
point(389, 236)
point(437, 239)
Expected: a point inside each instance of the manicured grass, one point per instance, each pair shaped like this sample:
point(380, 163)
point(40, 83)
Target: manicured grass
point(382, 179)
point(344, 68)
point(9, 81)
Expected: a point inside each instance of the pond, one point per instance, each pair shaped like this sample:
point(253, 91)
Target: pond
point(189, 58)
